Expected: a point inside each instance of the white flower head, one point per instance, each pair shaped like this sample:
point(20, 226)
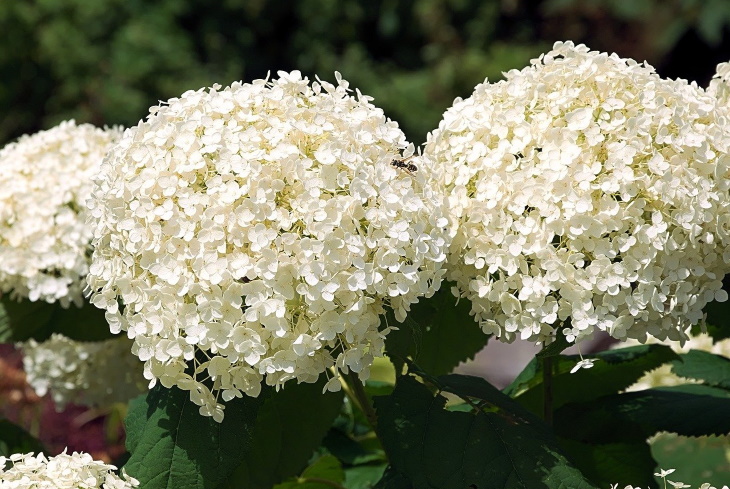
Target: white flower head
point(63, 471)
point(590, 194)
point(44, 239)
point(94, 373)
point(583, 363)
point(258, 231)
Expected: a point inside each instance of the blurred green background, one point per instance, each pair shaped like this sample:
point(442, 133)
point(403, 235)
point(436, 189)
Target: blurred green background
point(107, 61)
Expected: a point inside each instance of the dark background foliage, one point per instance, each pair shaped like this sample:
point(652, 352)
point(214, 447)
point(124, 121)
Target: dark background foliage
point(107, 61)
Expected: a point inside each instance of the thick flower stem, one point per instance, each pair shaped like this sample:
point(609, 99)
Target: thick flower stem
point(547, 389)
point(355, 390)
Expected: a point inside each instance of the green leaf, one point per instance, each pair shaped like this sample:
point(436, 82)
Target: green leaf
point(614, 370)
point(697, 460)
point(290, 426)
point(613, 463)
point(173, 447)
point(701, 365)
point(14, 439)
point(364, 476)
point(437, 334)
point(86, 323)
point(689, 410)
point(348, 450)
point(325, 468)
point(23, 320)
point(488, 447)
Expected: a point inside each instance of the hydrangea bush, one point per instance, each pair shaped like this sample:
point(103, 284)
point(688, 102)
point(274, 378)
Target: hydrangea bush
point(259, 231)
point(590, 194)
point(278, 248)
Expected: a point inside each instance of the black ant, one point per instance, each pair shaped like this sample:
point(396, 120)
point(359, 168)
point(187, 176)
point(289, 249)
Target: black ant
point(401, 163)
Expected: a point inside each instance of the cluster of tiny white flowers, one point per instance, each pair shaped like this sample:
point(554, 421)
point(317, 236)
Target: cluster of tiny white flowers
point(94, 373)
point(663, 376)
point(590, 194)
point(78, 470)
point(720, 84)
point(257, 232)
point(45, 180)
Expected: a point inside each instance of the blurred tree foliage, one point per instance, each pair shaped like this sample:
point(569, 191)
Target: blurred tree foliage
point(107, 61)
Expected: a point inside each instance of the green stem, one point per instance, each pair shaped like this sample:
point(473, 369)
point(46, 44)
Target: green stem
point(356, 391)
point(547, 389)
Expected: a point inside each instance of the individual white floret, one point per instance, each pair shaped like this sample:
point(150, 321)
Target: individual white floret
point(94, 373)
point(45, 180)
point(258, 232)
point(64, 471)
point(590, 194)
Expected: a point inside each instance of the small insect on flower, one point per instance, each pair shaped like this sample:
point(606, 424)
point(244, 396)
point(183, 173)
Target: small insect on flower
point(402, 163)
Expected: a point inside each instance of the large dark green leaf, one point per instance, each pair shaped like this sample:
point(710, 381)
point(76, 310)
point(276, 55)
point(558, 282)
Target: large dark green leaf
point(14, 439)
point(437, 334)
point(173, 447)
point(690, 410)
point(613, 463)
point(23, 320)
point(291, 424)
point(701, 365)
point(614, 370)
point(487, 448)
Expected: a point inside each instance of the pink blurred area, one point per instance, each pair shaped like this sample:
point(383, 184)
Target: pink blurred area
point(76, 428)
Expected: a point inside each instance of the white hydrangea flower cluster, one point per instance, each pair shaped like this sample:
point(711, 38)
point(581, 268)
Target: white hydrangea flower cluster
point(663, 473)
point(720, 84)
point(94, 373)
point(591, 194)
point(663, 376)
point(45, 180)
point(78, 470)
point(258, 231)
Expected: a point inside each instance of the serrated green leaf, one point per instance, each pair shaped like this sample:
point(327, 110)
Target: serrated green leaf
point(689, 410)
point(701, 365)
point(555, 348)
point(290, 426)
point(173, 447)
point(436, 448)
point(348, 450)
point(613, 463)
point(614, 370)
point(23, 320)
point(14, 439)
point(437, 334)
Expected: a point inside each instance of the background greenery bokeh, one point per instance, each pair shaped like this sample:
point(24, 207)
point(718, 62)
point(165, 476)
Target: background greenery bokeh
point(107, 61)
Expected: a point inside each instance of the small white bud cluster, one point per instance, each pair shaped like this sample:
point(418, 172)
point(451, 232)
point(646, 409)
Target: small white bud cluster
point(94, 373)
point(590, 194)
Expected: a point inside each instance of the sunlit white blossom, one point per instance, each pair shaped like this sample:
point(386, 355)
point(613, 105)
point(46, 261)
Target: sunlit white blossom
point(64, 471)
point(720, 84)
point(93, 373)
point(45, 180)
point(258, 232)
point(590, 194)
